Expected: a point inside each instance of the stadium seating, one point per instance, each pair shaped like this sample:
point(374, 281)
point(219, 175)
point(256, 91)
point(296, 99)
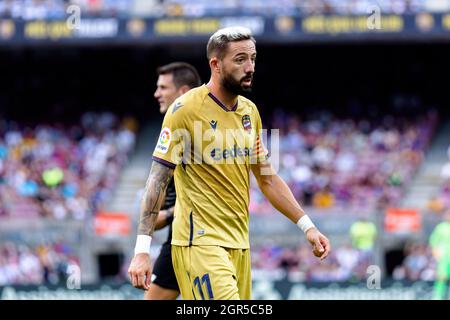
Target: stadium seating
point(43, 264)
point(440, 201)
point(356, 165)
point(296, 263)
point(61, 172)
point(418, 264)
point(47, 9)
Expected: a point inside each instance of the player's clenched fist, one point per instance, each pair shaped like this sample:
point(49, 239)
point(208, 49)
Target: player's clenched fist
point(320, 243)
point(140, 271)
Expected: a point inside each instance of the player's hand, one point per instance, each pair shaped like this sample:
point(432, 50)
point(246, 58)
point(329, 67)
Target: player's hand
point(321, 244)
point(140, 271)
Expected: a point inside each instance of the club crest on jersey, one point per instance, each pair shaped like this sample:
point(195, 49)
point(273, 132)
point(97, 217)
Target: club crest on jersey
point(247, 123)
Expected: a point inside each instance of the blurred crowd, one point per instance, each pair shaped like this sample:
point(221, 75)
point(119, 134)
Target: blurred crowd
point(41, 264)
point(302, 7)
point(418, 264)
point(59, 171)
point(441, 201)
point(49, 263)
point(298, 264)
point(48, 9)
point(351, 164)
point(58, 9)
point(345, 263)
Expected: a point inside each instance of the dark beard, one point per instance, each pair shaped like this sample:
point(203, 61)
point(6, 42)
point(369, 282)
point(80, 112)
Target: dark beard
point(233, 86)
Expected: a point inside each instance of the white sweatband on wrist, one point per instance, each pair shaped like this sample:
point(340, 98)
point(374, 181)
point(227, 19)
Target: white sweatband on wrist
point(305, 223)
point(142, 244)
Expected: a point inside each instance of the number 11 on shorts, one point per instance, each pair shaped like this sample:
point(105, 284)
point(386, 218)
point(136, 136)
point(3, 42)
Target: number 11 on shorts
point(207, 282)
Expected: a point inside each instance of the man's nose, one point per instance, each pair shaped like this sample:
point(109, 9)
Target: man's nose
point(249, 67)
point(157, 94)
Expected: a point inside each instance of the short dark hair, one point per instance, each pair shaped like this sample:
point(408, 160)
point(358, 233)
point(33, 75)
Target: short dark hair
point(218, 42)
point(183, 74)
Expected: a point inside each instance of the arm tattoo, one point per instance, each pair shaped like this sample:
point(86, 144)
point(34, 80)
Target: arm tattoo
point(153, 198)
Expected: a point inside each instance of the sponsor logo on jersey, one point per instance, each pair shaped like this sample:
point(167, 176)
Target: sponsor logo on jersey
point(213, 124)
point(235, 152)
point(176, 106)
point(164, 140)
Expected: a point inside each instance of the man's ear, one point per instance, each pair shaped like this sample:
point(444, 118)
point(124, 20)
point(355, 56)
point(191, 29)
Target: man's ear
point(184, 88)
point(214, 63)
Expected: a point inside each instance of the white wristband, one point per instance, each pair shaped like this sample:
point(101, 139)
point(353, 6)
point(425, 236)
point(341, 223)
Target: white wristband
point(305, 223)
point(142, 244)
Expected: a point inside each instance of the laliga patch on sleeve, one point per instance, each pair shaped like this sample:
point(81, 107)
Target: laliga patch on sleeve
point(164, 140)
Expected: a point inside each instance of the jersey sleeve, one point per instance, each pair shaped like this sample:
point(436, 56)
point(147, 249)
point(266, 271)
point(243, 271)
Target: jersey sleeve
point(260, 153)
point(169, 148)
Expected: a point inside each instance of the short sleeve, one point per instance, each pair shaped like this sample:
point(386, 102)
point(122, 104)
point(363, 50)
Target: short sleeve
point(260, 153)
point(171, 141)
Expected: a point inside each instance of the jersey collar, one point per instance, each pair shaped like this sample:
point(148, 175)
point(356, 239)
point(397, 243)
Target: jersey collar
point(217, 101)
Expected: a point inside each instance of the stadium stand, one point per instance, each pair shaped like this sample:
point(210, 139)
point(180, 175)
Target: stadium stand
point(61, 172)
point(441, 201)
point(345, 264)
point(362, 130)
point(50, 9)
point(347, 164)
point(46, 263)
point(418, 264)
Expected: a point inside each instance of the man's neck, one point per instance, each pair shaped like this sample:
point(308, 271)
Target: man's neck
point(227, 98)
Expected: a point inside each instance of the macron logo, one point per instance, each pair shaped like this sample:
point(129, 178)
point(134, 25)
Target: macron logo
point(213, 124)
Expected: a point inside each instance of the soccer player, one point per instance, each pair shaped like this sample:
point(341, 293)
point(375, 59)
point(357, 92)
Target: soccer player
point(440, 246)
point(174, 79)
point(210, 141)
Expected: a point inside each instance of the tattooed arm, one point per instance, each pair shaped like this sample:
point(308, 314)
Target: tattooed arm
point(152, 200)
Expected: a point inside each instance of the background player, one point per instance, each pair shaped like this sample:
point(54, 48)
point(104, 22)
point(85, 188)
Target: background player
point(440, 245)
point(210, 245)
point(174, 79)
